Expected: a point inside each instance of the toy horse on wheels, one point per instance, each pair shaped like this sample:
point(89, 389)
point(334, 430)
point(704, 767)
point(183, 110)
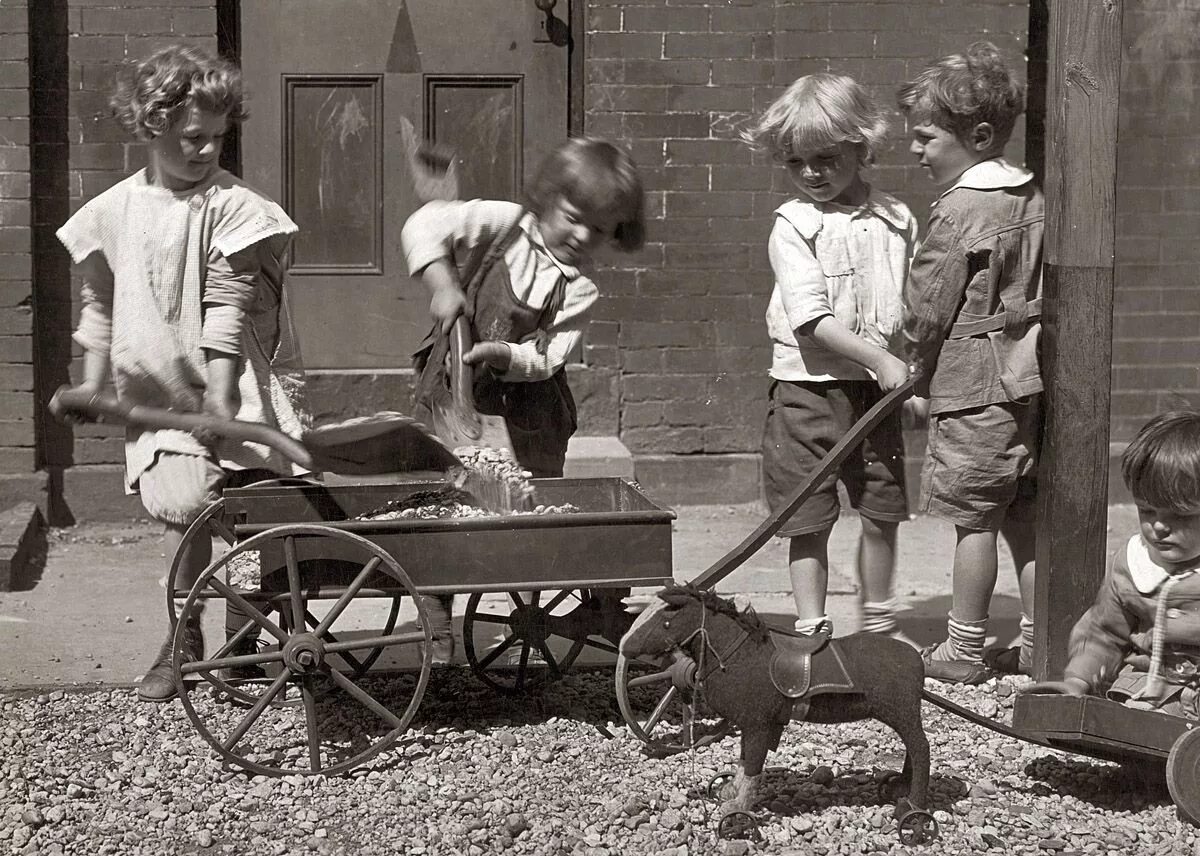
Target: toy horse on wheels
point(760, 678)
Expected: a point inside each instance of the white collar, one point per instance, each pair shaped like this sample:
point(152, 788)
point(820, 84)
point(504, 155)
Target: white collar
point(1147, 576)
point(805, 216)
point(529, 225)
point(992, 174)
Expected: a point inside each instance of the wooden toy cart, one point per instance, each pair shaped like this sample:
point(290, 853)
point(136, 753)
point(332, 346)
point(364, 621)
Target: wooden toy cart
point(310, 561)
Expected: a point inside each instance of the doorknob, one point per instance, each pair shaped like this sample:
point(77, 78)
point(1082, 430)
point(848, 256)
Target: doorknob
point(550, 29)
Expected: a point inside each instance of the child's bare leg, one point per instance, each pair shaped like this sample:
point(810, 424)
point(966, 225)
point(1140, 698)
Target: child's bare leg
point(974, 574)
point(195, 559)
point(959, 658)
point(876, 571)
point(808, 567)
point(1021, 537)
point(876, 560)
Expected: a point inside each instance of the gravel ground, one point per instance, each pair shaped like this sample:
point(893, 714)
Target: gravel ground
point(99, 772)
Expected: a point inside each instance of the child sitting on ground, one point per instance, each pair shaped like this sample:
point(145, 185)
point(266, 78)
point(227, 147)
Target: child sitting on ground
point(840, 254)
point(1140, 640)
point(514, 271)
point(183, 273)
point(971, 325)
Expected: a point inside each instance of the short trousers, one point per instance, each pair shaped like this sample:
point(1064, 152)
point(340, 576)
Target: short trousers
point(176, 488)
point(807, 419)
point(981, 465)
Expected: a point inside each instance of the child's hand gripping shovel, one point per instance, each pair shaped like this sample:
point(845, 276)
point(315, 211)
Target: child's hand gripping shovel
point(456, 420)
point(372, 445)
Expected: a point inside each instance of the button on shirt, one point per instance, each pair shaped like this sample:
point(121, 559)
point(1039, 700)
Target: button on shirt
point(844, 261)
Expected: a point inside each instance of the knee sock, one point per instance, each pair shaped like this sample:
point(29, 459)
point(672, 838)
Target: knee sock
point(964, 641)
point(813, 626)
point(879, 617)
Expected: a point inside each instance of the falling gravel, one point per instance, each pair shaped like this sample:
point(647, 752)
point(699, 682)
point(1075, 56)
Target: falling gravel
point(477, 773)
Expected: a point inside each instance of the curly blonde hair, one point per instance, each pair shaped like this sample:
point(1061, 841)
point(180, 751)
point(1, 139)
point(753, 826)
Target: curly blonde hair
point(818, 111)
point(960, 91)
point(151, 93)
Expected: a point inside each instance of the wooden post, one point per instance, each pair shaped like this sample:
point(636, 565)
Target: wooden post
point(1083, 81)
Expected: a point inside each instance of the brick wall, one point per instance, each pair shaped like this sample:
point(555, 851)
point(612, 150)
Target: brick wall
point(674, 80)
point(17, 426)
point(1156, 335)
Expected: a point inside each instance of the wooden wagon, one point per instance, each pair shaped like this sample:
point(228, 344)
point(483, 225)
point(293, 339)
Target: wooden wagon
point(315, 564)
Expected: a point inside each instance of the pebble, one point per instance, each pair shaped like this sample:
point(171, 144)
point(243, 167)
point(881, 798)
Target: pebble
point(534, 777)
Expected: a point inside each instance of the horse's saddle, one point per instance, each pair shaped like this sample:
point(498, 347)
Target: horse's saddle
point(808, 665)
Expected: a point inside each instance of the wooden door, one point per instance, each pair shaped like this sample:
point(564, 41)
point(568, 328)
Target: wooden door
point(339, 91)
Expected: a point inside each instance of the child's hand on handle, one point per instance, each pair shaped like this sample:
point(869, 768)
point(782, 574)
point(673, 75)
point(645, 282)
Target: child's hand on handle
point(446, 304)
point(1067, 686)
point(495, 354)
point(66, 415)
point(891, 372)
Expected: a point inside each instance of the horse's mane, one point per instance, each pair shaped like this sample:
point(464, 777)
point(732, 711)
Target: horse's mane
point(746, 618)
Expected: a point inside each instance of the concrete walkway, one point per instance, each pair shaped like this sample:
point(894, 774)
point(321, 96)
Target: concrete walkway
point(96, 613)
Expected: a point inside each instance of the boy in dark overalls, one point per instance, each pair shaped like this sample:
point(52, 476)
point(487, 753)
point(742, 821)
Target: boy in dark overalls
point(514, 272)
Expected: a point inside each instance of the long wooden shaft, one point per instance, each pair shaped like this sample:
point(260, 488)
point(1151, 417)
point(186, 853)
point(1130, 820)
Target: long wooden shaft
point(1083, 83)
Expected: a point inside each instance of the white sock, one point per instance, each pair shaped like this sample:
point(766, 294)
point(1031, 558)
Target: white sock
point(964, 641)
point(813, 626)
point(879, 617)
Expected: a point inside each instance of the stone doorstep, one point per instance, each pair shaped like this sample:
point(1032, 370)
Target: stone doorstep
point(20, 526)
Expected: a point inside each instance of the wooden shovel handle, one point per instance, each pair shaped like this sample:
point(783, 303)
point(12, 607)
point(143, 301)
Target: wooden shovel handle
point(832, 460)
point(106, 407)
point(462, 378)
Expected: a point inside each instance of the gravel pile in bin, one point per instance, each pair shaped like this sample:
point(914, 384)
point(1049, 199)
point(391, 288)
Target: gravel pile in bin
point(97, 772)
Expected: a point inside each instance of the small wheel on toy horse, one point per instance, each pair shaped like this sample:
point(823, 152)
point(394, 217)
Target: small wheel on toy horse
point(738, 825)
point(916, 826)
point(718, 784)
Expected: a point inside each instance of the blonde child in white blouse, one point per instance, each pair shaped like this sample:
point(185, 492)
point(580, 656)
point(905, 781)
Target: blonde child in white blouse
point(839, 252)
point(183, 269)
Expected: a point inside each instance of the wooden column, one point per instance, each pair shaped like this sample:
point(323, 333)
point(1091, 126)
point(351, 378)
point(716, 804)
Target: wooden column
point(1083, 82)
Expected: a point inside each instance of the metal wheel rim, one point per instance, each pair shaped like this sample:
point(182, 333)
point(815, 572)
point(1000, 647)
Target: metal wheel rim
point(1183, 774)
point(738, 825)
point(555, 667)
point(399, 723)
point(672, 695)
point(916, 827)
point(226, 690)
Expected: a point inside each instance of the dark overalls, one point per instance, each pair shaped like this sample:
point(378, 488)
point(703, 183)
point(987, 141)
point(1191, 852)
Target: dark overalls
point(540, 415)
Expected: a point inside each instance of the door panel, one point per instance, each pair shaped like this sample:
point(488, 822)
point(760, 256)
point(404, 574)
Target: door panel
point(339, 92)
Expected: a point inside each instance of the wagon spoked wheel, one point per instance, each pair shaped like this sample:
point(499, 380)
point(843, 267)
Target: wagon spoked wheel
point(213, 523)
point(1183, 775)
point(667, 719)
point(340, 721)
point(509, 644)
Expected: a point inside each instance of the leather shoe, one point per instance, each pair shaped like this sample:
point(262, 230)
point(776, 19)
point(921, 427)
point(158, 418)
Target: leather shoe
point(954, 671)
point(158, 684)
